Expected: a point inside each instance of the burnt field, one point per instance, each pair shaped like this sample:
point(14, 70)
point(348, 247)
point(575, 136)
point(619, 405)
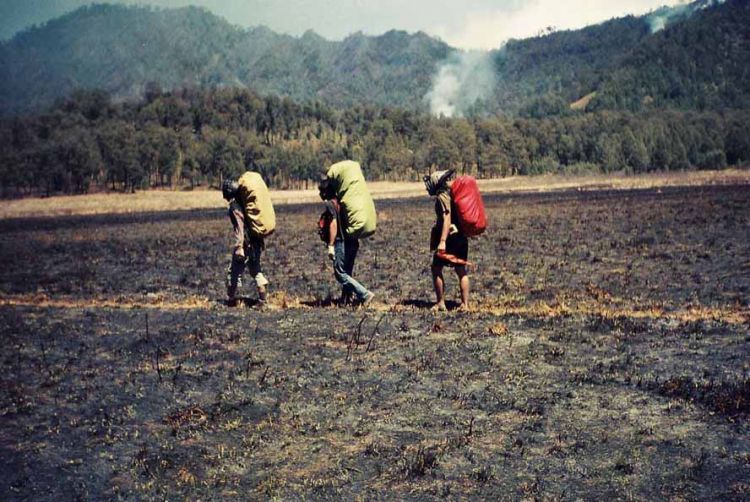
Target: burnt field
point(607, 354)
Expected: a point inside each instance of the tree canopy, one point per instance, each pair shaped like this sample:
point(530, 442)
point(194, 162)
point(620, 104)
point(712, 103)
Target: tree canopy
point(191, 137)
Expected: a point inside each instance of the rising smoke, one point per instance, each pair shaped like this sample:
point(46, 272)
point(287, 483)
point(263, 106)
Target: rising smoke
point(664, 16)
point(659, 19)
point(464, 81)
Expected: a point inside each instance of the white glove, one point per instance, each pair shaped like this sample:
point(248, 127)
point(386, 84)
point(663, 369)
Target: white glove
point(331, 252)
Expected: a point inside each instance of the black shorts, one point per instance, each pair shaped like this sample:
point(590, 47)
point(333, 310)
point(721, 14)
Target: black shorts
point(457, 244)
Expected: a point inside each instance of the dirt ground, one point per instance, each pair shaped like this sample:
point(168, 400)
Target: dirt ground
point(202, 198)
point(607, 355)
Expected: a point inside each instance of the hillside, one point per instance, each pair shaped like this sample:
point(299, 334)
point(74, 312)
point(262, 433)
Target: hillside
point(542, 75)
point(122, 49)
point(692, 57)
point(699, 63)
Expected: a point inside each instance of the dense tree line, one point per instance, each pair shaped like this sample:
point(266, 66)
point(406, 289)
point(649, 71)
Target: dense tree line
point(188, 138)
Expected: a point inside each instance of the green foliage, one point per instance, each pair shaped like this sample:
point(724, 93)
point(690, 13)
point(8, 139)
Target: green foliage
point(541, 166)
point(699, 63)
point(118, 144)
point(75, 161)
point(135, 145)
point(138, 51)
point(541, 76)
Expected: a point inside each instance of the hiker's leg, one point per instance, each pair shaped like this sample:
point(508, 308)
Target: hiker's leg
point(341, 267)
point(234, 276)
point(347, 291)
point(339, 270)
point(463, 282)
point(351, 248)
point(253, 252)
point(439, 283)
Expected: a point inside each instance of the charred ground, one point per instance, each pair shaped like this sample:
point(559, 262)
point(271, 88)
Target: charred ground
point(607, 356)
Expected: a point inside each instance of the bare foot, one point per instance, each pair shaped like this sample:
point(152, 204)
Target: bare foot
point(439, 307)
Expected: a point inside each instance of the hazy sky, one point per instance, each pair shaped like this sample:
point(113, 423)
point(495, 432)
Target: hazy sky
point(461, 23)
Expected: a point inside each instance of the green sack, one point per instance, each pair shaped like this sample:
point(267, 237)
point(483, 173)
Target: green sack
point(256, 203)
point(357, 206)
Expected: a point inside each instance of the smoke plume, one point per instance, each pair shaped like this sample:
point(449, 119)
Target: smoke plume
point(464, 81)
point(660, 18)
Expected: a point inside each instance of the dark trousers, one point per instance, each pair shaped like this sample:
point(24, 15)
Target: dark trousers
point(251, 263)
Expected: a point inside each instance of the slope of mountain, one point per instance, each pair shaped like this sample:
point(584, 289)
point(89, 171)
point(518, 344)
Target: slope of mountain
point(700, 63)
point(542, 75)
point(121, 49)
point(697, 58)
point(116, 49)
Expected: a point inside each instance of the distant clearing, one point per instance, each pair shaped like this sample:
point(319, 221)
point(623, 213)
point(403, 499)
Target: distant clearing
point(582, 103)
point(168, 200)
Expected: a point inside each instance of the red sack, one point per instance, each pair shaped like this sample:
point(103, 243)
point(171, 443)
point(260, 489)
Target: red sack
point(324, 226)
point(453, 258)
point(467, 200)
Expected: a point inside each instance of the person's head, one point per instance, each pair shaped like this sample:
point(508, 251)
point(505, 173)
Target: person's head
point(325, 188)
point(229, 189)
point(438, 181)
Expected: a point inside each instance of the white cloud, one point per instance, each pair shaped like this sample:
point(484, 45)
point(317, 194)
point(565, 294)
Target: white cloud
point(489, 29)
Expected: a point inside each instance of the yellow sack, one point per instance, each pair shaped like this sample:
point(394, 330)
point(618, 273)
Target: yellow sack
point(357, 206)
point(256, 202)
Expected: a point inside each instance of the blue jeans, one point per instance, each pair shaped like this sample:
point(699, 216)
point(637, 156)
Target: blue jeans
point(345, 252)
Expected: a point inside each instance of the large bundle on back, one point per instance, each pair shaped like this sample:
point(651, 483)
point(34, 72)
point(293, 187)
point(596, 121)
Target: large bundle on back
point(469, 206)
point(357, 206)
point(256, 203)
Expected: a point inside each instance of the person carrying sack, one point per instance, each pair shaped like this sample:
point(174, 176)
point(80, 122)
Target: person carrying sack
point(253, 219)
point(449, 245)
point(336, 230)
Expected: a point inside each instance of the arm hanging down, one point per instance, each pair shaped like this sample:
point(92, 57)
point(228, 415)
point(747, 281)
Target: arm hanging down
point(238, 224)
point(332, 232)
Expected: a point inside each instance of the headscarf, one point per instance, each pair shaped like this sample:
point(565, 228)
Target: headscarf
point(229, 189)
point(325, 188)
point(435, 182)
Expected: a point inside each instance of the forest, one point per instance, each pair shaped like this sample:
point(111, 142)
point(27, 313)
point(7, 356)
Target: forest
point(193, 137)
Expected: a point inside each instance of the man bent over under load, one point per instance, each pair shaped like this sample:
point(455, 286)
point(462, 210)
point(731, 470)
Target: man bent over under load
point(246, 249)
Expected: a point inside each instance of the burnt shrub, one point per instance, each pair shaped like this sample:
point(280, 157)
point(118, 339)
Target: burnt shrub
point(416, 463)
point(731, 399)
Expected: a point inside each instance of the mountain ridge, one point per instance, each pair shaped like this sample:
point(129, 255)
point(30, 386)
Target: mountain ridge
point(124, 49)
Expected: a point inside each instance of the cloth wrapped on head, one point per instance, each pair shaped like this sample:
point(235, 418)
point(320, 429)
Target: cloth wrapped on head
point(229, 189)
point(436, 181)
